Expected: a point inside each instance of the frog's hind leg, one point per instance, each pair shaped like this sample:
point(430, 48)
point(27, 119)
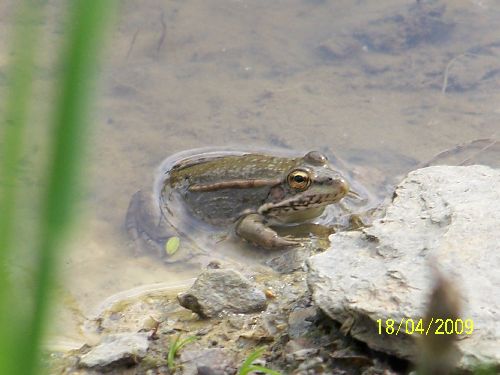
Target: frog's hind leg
point(144, 226)
point(253, 228)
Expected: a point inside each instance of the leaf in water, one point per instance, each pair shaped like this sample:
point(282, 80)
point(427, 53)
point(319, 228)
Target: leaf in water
point(172, 245)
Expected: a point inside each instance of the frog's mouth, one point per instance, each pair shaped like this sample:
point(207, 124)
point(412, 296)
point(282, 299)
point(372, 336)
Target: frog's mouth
point(301, 203)
point(326, 192)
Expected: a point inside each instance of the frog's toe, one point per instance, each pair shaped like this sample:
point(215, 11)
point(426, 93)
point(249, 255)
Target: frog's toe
point(253, 229)
point(281, 242)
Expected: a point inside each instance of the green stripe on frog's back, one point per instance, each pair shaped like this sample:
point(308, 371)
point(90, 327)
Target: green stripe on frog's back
point(217, 190)
point(234, 167)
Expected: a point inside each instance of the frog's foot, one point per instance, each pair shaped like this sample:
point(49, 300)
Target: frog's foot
point(253, 228)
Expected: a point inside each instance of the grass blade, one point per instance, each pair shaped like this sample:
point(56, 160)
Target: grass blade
point(19, 91)
point(87, 20)
point(175, 345)
point(248, 367)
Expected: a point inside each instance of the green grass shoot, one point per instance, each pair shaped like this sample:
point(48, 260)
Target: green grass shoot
point(247, 366)
point(175, 345)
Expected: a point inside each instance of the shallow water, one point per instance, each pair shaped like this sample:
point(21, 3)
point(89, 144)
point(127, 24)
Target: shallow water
point(382, 85)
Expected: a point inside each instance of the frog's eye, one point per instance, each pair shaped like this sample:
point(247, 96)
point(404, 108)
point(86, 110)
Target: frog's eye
point(316, 158)
point(299, 179)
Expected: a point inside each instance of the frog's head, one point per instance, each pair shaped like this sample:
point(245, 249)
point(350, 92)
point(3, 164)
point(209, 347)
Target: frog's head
point(309, 186)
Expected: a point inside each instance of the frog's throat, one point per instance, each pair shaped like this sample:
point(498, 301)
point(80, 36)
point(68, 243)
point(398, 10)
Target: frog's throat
point(235, 184)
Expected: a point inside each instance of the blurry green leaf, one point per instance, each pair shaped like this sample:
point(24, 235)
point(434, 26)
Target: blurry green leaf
point(172, 245)
point(13, 317)
point(22, 329)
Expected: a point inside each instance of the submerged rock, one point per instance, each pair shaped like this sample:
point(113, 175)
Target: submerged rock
point(441, 218)
point(116, 350)
point(218, 290)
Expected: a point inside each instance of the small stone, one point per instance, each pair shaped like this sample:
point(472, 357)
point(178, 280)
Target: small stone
point(213, 361)
point(116, 350)
point(303, 354)
point(218, 290)
point(300, 320)
point(290, 261)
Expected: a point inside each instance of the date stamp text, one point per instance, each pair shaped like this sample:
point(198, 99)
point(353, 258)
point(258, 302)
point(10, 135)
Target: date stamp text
point(434, 326)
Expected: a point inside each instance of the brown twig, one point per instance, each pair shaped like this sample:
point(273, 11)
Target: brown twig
point(161, 40)
point(448, 67)
point(489, 143)
point(132, 43)
point(154, 331)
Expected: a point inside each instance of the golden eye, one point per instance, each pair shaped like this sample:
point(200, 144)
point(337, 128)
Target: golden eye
point(299, 179)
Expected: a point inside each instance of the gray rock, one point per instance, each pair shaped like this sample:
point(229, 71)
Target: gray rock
point(116, 350)
point(213, 361)
point(289, 261)
point(445, 218)
point(300, 320)
point(218, 290)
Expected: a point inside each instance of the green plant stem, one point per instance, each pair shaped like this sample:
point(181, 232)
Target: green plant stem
point(19, 85)
point(87, 21)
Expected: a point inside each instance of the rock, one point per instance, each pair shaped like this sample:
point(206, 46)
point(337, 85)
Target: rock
point(213, 361)
point(289, 261)
point(297, 346)
point(300, 320)
point(313, 365)
point(218, 290)
point(444, 218)
point(116, 350)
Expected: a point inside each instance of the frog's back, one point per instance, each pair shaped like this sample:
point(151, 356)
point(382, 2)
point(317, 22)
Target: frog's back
point(217, 189)
point(233, 167)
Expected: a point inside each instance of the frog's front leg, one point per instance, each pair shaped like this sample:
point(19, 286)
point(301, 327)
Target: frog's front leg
point(253, 228)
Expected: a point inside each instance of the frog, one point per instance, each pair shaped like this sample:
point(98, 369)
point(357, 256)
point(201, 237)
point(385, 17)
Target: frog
point(249, 194)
